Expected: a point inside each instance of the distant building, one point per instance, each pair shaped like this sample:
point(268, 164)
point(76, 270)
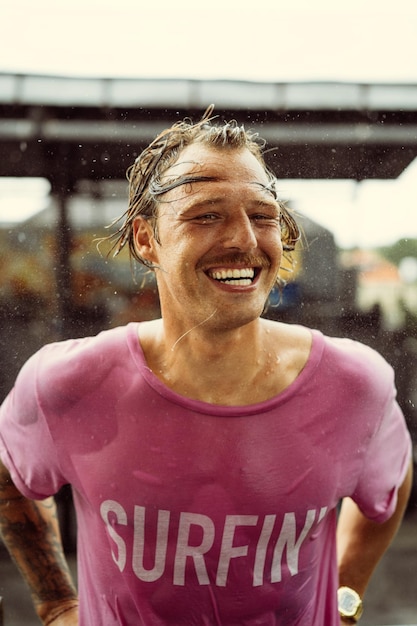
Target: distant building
point(379, 283)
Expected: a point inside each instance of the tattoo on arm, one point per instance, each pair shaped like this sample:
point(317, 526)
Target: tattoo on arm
point(30, 532)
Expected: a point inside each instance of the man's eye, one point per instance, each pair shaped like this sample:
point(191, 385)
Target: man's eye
point(262, 217)
point(207, 217)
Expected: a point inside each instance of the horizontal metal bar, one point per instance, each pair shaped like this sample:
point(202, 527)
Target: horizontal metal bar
point(290, 133)
point(29, 89)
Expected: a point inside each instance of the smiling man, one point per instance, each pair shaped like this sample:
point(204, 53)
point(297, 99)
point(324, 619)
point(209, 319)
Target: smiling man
point(209, 450)
point(217, 253)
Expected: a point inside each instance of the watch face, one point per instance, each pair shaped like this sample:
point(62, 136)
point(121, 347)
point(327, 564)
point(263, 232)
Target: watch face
point(349, 602)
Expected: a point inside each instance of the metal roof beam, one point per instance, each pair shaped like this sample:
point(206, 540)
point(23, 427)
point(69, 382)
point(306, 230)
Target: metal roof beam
point(140, 132)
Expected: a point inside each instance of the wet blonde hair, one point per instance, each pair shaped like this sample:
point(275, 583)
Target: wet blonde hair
point(146, 173)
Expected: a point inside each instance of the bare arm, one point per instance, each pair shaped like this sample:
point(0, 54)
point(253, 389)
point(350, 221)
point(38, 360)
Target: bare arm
point(31, 533)
point(361, 543)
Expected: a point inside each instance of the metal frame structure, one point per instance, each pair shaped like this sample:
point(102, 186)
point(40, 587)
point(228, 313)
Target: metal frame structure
point(67, 129)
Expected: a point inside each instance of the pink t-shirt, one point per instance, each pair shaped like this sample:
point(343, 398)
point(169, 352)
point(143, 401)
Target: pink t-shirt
point(191, 514)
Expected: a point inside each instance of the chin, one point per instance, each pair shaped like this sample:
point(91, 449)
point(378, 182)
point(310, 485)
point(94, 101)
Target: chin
point(233, 320)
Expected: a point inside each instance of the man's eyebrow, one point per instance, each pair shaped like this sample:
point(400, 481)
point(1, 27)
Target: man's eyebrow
point(267, 202)
point(156, 188)
point(193, 206)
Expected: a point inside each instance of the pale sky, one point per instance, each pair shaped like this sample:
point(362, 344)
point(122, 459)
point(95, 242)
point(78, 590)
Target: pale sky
point(370, 40)
point(262, 40)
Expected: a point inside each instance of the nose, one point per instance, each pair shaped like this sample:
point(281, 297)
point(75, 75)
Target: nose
point(239, 232)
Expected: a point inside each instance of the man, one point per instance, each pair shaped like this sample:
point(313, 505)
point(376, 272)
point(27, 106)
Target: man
point(208, 451)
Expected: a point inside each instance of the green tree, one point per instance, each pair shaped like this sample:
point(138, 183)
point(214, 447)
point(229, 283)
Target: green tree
point(406, 247)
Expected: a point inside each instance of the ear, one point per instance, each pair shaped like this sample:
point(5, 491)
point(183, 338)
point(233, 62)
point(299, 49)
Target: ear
point(144, 238)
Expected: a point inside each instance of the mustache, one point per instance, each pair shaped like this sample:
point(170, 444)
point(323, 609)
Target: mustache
point(246, 260)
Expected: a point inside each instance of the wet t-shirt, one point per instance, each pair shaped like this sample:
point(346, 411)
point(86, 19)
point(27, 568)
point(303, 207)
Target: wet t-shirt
point(192, 514)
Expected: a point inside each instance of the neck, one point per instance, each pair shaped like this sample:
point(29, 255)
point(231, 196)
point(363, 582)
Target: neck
point(217, 367)
point(211, 338)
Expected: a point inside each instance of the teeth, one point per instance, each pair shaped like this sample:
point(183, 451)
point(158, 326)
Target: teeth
point(239, 281)
point(245, 273)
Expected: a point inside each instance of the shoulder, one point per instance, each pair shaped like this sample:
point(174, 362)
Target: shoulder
point(348, 354)
point(72, 367)
point(339, 360)
point(353, 353)
point(356, 366)
point(85, 350)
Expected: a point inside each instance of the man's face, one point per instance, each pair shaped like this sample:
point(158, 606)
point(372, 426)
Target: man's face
point(219, 248)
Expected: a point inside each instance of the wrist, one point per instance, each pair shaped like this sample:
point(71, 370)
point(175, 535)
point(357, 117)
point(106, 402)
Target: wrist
point(51, 612)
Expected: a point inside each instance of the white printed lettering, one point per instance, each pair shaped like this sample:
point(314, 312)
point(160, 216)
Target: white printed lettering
point(149, 575)
point(107, 507)
point(185, 550)
point(228, 550)
point(322, 513)
point(261, 548)
point(196, 534)
point(287, 539)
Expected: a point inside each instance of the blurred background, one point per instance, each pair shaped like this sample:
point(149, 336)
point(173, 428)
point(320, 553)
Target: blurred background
point(331, 87)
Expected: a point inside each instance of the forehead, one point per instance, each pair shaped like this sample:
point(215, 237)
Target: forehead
point(234, 165)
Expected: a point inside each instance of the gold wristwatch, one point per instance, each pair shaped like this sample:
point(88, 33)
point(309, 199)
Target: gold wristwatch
point(349, 603)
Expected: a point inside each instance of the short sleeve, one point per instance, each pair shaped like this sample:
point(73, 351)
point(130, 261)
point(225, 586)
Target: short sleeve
point(26, 445)
point(386, 464)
